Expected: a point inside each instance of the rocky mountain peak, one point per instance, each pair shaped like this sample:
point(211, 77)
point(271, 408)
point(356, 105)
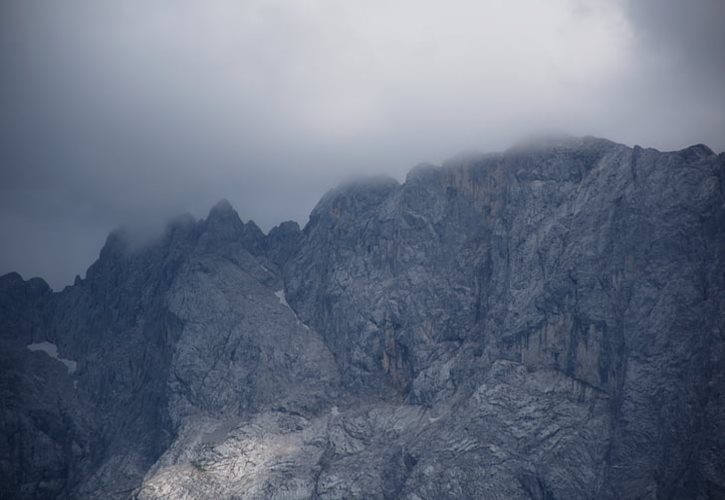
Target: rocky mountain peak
point(697, 152)
point(222, 217)
point(540, 323)
point(222, 207)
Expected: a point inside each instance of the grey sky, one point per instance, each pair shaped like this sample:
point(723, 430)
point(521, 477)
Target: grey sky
point(131, 112)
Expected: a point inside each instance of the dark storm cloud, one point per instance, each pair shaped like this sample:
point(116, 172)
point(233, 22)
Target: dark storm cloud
point(691, 31)
point(132, 112)
point(679, 85)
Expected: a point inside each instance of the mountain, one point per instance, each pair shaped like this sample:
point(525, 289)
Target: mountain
point(544, 323)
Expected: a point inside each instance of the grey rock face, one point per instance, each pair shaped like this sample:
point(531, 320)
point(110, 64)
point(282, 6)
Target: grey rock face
point(544, 323)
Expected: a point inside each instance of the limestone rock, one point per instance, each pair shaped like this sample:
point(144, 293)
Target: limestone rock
point(547, 322)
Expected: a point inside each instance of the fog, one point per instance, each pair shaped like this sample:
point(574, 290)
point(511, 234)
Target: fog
point(128, 113)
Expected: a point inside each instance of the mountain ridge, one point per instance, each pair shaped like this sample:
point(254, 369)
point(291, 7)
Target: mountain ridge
point(565, 140)
point(538, 323)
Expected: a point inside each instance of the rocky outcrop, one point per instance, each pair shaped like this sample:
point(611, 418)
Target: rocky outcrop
point(548, 322)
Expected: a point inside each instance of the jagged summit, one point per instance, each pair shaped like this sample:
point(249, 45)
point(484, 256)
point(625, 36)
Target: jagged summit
point(421, 170)
point(697, 152)
point(223, 214)
point(538, 323)
point(221, 207)
point(11, 278)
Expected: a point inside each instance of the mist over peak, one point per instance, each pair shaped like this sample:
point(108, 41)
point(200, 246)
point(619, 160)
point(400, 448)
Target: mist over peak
point(538, 323)
point(130, 113)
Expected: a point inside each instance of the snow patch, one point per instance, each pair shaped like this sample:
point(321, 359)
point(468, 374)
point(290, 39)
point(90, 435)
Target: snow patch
point(51, 350)
point(282, 298)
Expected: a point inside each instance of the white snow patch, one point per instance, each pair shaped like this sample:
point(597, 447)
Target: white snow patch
point(282, 298)
point(51, 350)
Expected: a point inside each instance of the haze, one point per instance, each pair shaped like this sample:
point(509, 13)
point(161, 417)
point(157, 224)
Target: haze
point(127, 113)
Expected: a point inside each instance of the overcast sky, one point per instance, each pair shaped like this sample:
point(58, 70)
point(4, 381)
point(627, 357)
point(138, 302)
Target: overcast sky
point(130, 112)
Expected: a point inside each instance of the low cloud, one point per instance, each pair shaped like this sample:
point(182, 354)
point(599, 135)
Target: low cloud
point(132, 112)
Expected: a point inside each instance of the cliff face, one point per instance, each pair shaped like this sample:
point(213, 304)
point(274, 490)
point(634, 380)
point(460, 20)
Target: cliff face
point(544, 323)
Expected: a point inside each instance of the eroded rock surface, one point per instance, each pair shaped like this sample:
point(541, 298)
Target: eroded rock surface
point(543, 323)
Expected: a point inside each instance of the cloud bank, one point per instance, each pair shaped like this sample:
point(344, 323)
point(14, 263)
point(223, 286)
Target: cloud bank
point(131, 112)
